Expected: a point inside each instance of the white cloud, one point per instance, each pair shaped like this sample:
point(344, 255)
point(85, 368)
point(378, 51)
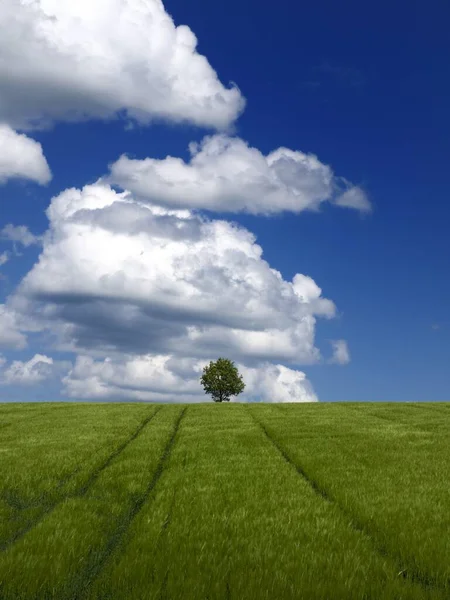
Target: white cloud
point(37, 369)
point(4, 257)
point(10, 334)
point(355, 198)
point(70, 60)
point(122, 276)
point(225, 174)
point(19, 234)
point(276, 383)
point(141, 377)
point(136, 275)
point(169, 379)
point(20, 156)
point(341, 354)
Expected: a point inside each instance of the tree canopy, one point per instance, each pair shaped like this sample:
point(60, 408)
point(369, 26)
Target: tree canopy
point(222, 380)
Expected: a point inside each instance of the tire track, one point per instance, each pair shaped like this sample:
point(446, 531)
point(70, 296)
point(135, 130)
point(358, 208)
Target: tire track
point(402, 421)
point(441, 410)
point(167, 521)
point(163, 591)
point(96, 474)
point(227, 588)
point(412, 574)
point(66, 478)
point(44, 412)
point(163, 531)
point(161, 534)
point(372, 415)
point(100, 561)
point(82, 490)
point(12, 498)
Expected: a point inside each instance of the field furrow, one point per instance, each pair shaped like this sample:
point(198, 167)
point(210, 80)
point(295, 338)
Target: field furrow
point(59, 439)
point(225, 502)
point(64, 548)
point(43, 509)
point(427, 419)
point(93, 570)
point(352, 519)
point(232, 519)
point(97, 472)
point(395, 487)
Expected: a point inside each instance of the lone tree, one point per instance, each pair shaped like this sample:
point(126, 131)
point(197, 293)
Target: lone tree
point(221, 379)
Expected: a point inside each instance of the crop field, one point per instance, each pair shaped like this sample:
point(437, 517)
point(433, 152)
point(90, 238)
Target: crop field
point(224, 501)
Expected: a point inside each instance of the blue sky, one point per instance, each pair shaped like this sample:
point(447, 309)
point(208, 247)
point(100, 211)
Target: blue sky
point(365, 89)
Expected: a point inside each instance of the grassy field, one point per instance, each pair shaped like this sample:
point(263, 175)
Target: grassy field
point(224, 501)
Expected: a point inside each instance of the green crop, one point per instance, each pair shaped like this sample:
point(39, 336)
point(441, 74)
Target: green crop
point(224, 501)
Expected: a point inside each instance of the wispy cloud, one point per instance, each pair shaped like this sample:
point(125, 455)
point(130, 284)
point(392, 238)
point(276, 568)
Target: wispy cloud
point(341, 354)
point(18, 234)
point(438, 325)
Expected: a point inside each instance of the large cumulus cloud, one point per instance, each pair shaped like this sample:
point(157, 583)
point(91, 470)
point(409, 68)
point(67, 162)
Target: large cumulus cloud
point(225, 174)
point(126, 276)
point(160, 292)
point(70, 60)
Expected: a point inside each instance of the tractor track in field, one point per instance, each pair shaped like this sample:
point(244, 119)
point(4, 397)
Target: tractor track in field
point(227, 589)
point(16, 503)
point(164, 528)
point(167, 521)
point(66, 478)
point(396, 420)
point(82, 490)
point(413, 575)
point(94, 570)
point(432, 409)
point(96, 474)
point(163, 591)
point(27, 418)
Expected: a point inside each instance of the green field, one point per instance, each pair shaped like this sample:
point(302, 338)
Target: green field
point(224, 501)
